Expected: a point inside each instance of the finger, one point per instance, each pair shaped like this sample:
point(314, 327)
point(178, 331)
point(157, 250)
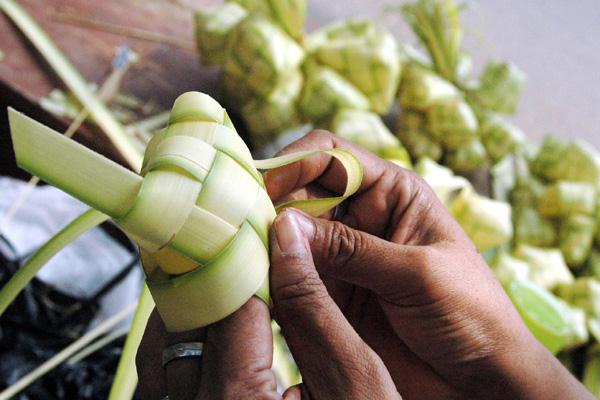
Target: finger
point(387, 194)
point(365, 260)
point(238, 356)
point(152, 377)
point(295, 393)
point(331, 356)
point(329, 172)
point(183, 374)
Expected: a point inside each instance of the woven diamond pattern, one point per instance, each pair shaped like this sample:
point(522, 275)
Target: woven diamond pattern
point(229, 221)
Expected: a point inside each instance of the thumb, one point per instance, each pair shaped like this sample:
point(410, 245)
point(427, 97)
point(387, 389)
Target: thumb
point(365, 260)
point(330, 354)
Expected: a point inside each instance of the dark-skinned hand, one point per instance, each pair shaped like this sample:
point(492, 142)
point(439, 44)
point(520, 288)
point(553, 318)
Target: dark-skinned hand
point(392, 298)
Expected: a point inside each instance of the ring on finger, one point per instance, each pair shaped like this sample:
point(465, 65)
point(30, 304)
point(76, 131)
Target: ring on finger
point(182, 350)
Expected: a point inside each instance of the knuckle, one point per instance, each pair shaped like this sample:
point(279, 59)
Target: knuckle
point(256, 386)
point(408, 181)
point(427, 257)
point(363, 377)
point(318, 134)
point(343, 244)
point(305, 286)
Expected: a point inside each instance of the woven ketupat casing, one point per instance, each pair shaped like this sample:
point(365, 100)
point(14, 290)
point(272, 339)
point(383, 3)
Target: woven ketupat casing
point(260, 56)
point(289, 14)
point(269, 116)
point(214, 226)
point(452, 122)
point(325, 92)
point(199, 211)
point(213, 25)
point(368, 130)
point(365, 55)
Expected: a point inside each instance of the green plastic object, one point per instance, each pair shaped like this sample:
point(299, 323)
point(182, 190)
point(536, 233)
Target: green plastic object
point(541, 312)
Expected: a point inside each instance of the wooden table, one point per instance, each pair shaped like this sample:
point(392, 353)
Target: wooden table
point(88, 32)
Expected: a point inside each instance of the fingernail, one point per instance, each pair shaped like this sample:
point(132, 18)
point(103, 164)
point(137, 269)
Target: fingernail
point(289, 234)
point(291, 396)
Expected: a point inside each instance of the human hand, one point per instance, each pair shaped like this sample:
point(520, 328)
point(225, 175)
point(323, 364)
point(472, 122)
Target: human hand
point(235, 364)
point(407, 279)
point(237, 358)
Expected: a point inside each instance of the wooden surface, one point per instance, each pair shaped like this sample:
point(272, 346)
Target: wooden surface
point(88, 32)
point(553, 43)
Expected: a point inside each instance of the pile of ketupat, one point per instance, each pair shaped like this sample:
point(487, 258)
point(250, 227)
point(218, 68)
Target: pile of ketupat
point(538, 227)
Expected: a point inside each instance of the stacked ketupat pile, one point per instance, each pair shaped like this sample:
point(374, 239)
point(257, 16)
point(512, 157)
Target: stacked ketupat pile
point(448, 116)
point(540, 228)
point(277, 78)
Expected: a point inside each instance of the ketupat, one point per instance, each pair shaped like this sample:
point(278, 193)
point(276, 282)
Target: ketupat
point(213, 26)
point(556, 324)
point(198, 213)
point(503, 178)
point(260, 55)
point(452, 122)
point(576, 237)
point(585, 294)
point(499, 88)
point(366, 129)
point(530, 226)
point(442, 180)
point(437, 25)
point(420, 88)
point(576, 161)
point(527, 191)
point(413, 134)
point(269, 116)
point(468, 157)
point(363, 53)
point(486, 221)
point(325, 92)
point(508, 268)
point(547, 267)
point(591, 375)
point(352, 64)
point(565, 198)
point(577, 323)
point(500, 137)
point(593, 266)
point(533, 229)
point(289, 14)
point(459, 111)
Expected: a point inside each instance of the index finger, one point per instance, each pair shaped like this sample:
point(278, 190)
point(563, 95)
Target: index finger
point(322, 168)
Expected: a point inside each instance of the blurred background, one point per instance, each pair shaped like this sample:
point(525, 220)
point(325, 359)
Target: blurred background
point(553, 42)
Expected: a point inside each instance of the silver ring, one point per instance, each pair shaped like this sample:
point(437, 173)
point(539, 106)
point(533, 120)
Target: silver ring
point(181, 350)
